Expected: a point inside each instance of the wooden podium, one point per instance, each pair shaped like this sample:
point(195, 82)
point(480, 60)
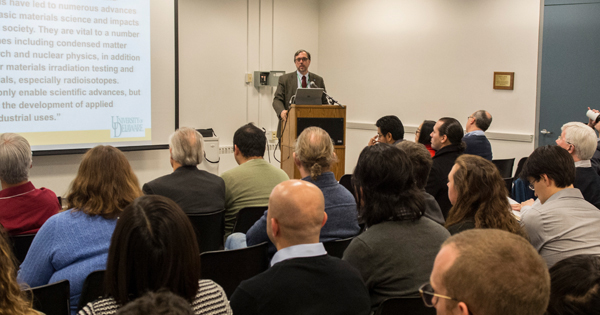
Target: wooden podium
point(290, 133)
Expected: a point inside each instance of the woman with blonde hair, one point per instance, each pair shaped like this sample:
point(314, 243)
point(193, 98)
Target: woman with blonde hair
point(73, 243)
point(479, 197)
point(13, 301)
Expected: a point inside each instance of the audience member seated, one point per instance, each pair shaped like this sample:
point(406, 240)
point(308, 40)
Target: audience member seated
point(163, 302)
point(596, 157)
point(73, 243)
point(575, 286)
point(194, 190)
point(302, 279)
point(446, 138)
point(479, 197)
point(562, 224)
point(396, 252)
point(421, 164)
point(423, 135)
point(389, 130)
point(314, 156)
point(154, 247)
point(24, 207)
point(249, 184)
point(488, 271)
point(475, 139)
point(12, 299)
point(580, 141)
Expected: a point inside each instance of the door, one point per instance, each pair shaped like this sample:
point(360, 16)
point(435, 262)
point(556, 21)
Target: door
point(570, 74)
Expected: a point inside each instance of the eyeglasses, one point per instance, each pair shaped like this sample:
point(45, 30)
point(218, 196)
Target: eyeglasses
point(427, 295)
point(531, 187)
point(565, 140)
point(418, 131)
point(301, 59)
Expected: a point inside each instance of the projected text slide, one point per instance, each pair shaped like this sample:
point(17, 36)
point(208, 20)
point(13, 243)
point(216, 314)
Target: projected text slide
point(69, 68)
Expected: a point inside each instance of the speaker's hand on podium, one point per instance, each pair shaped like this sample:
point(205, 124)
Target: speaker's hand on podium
point(283, 115)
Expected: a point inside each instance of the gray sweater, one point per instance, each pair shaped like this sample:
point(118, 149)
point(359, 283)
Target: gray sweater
point(396, 257)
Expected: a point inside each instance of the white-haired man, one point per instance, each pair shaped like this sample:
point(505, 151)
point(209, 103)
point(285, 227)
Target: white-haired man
point(580, 141)
point(23, 208)
point(194, 190)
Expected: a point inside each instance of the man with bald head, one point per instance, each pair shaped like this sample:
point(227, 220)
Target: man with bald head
point(194, 190)
point(302, 279)
point(475, 139)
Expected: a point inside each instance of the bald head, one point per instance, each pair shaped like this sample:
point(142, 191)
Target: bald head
point(296, 213)
point(481, 120)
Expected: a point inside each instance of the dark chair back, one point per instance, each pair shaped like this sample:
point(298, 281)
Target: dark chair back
point(209, 229)
point(51, 299)
point(229, 268)
point(336, 248)
point(93, 288)
point(246, 217)
point(404, 306)
point(505, 167)
point(346, 181)
point(509, 182)
point(21, 244)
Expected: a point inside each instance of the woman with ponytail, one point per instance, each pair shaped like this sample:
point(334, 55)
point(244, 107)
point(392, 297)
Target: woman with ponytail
point(395, 254)
point(314, 157)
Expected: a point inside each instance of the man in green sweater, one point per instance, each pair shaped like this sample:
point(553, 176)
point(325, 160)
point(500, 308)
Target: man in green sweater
point(251, 183)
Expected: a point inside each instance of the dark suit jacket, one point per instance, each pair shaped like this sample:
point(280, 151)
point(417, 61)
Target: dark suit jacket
point(286, 88)
point(194, 190)
point(437, 183)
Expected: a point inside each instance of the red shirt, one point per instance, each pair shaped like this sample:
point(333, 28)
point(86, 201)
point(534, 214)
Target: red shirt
point(23, 209)
point(430, 149)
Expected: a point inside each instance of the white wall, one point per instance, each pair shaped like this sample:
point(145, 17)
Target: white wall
point(418, 59)
point(425, 59)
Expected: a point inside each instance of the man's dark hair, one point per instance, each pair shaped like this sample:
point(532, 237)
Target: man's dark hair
point(554, 161)
point(250, 140)
point(425, 132)
point(575, 286)
point(385, 185)
point(153, 246)
point(421, 161)
point(482, 121)
point(162, 302)
point(391, 124)
point(452, 129)
point(301, 51)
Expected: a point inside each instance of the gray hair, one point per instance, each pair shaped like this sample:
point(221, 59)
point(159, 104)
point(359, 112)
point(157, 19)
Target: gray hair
point(582, 137)
point(187, 146)
point(15, 158)
point(483, 119)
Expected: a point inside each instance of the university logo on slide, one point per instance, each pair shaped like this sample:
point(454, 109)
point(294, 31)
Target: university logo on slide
point(127, 127)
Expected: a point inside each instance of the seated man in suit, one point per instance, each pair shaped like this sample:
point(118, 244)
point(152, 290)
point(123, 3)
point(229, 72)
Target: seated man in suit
point(580, 141)
point(314, 157)
point(446, 138)
point(487, 271)
point(389, 130)
point(250, 183)
point(475, 139)
point(290, 82)
point(562, 223)
point(194, 190)
point(302, 279)
point(23, 208)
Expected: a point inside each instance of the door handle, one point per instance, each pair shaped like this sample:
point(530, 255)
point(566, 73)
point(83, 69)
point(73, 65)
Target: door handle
point(545, 132)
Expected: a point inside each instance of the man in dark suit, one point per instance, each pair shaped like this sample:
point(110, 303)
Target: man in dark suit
point(302, 279)
point(194, 190)
point(446, 138)
point(289, 83)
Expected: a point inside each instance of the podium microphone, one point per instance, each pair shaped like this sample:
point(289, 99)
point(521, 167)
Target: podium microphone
point(314, 85)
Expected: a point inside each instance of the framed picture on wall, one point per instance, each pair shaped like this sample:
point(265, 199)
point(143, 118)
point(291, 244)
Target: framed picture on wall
point(504, 80)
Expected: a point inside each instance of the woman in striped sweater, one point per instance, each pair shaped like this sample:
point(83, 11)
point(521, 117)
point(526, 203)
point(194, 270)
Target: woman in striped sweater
point(154, 247)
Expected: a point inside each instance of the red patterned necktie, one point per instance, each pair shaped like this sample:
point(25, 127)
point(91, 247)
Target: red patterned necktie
point(304, 81)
